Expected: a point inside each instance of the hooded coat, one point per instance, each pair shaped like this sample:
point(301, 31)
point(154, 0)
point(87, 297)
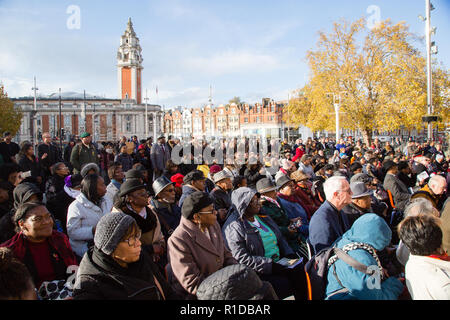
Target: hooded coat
point(374, 231)
point(22, 193)
point(82, 216)
point(244, 240)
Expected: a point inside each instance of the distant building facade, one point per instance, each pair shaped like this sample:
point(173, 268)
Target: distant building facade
point(106, 119)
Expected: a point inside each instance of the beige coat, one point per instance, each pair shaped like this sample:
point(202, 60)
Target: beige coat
point(445, 217)
point(193, 257)
point(154, 236)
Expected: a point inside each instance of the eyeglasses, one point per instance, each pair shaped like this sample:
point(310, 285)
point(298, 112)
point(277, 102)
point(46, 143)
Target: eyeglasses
point(133, 240)
point(208, 212)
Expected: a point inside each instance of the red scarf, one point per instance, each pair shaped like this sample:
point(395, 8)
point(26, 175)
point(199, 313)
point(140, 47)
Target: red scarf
point(58, 241)
point(444, 257)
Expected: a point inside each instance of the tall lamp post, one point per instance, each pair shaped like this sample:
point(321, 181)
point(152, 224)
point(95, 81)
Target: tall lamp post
point(60, 123)
point(431, 49)
point(337, 107)
point(34, 133)
point(146, 115)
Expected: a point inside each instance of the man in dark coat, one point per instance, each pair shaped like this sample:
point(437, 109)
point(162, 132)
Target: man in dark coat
point(328, 223)
point(48, 154)
point(159, 156)
point(221, 195)
point(398, 190)
point(83, 153)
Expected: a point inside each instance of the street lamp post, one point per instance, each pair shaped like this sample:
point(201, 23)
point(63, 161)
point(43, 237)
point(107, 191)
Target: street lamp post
point(337, 107)
point(60, 122)
point(429, 78)
point(34, 133)
point(431, 49)
point(146, 115)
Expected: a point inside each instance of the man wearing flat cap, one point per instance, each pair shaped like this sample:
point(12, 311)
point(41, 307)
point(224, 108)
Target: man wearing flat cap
point(159, 155)
point(83, 153)
point(221, 195)
point(361, 202)
point(193, 181)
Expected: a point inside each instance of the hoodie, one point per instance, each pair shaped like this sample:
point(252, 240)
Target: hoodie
point(373, 230)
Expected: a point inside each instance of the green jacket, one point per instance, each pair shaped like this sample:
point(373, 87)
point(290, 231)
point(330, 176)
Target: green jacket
point(282, 220)
point(82, 155)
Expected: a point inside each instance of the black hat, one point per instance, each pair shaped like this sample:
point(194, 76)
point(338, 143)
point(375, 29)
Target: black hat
point(160, 184)
point(359, 190)
point(129, 186)
point(361, 177)
point(265, 185)
point(387, 165)
point(282, 180)
point(110, 230)
point(193, 176)
point(133, 174)
point(194, 203)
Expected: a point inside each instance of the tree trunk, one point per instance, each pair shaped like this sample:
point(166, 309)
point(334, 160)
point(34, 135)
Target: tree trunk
point(367, 136)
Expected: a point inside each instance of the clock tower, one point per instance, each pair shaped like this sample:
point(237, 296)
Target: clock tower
point(129, 65)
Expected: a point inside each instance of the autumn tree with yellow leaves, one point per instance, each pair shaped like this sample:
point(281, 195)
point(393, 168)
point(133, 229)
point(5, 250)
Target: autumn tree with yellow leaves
point(381, 77)
point(10, 116)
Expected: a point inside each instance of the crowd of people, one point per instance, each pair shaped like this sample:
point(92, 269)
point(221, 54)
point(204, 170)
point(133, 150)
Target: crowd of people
point(127, 220)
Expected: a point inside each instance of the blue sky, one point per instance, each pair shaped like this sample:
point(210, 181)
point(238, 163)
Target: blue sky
point(251, 49)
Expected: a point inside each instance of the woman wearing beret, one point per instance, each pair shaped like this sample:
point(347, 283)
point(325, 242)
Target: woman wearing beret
point(117, 268)
point(196, 248)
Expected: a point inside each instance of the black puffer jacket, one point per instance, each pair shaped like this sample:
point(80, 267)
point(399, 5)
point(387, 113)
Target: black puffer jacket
point(99, 277)
point(235, 282)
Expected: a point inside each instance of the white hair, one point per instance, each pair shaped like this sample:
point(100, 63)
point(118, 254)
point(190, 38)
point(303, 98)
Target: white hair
point(435, 180)
point(420, 206)
point(331, 185)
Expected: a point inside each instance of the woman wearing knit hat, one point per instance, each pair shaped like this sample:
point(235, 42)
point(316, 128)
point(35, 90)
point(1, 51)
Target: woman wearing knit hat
point(196, 249)
point(116, 267)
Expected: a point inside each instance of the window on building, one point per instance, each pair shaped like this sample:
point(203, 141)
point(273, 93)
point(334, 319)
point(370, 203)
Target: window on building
point(246, 120)
point(272, 108)
point(128, 123)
